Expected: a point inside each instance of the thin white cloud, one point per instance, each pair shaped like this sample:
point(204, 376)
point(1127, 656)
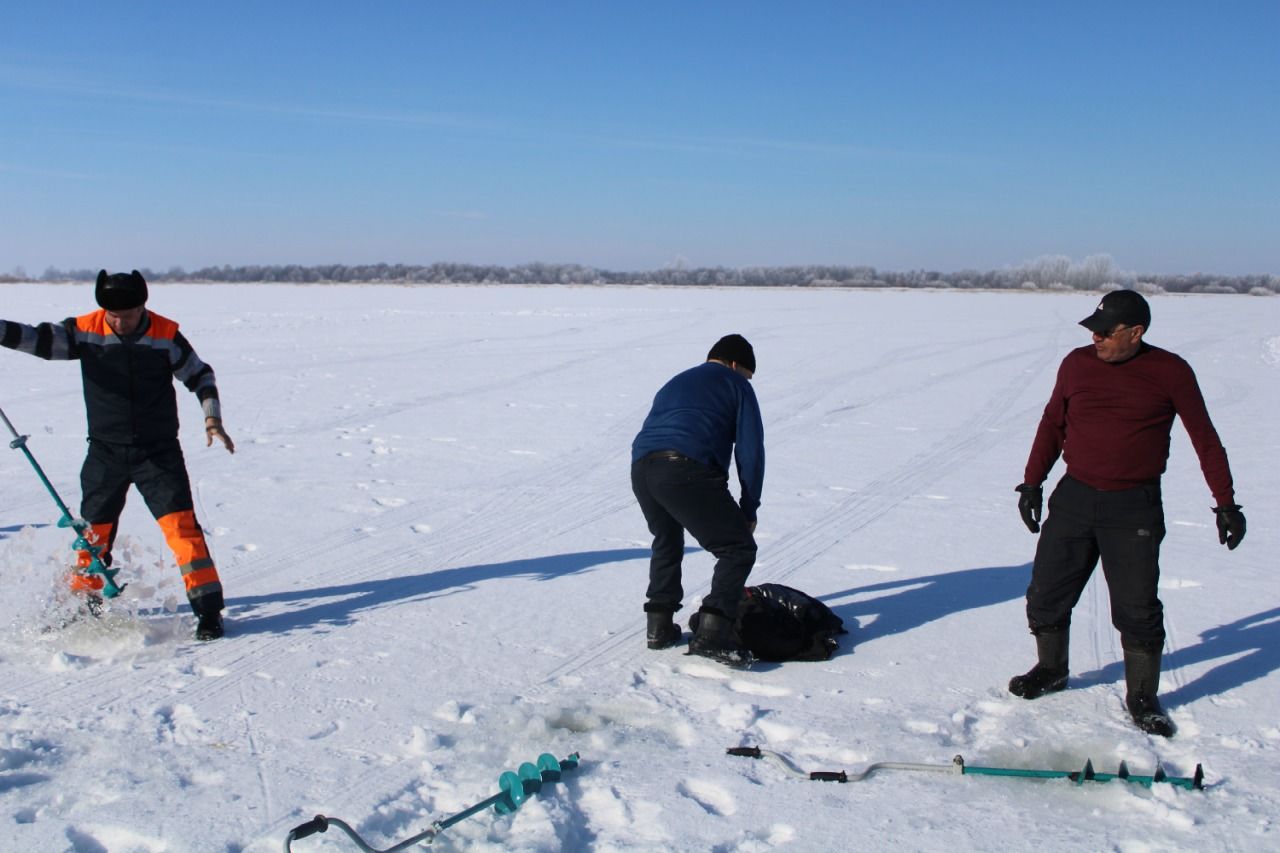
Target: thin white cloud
point(62, 174)
point(462, 214)
point(34, 80)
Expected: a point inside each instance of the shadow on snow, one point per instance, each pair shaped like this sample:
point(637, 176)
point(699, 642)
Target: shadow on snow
point(6, 532)
point(913, 602)
point(366, 595)
point(1249, 649)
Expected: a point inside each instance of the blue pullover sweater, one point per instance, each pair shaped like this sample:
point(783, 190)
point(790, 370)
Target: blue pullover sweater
point(707, 413)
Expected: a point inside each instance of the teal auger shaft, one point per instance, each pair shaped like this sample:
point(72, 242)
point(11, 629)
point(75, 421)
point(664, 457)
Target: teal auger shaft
point(958, 767)
point(109, 587)
point(1088, 774)
point(515, 787)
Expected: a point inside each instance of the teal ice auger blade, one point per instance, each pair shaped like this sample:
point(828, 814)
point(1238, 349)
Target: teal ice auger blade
point(1088, 774)
point(96, 567)
point(957, 767)
point(515, 787)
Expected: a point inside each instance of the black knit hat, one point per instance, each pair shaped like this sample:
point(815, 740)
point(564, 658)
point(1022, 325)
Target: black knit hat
point(120, 291)
point(1119, 308)
point(734, 348)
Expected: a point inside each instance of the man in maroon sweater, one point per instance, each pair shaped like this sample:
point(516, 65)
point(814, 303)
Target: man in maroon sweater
point(1110, 416)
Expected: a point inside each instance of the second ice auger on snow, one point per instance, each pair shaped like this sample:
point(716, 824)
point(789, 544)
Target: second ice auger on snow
point(515, 786)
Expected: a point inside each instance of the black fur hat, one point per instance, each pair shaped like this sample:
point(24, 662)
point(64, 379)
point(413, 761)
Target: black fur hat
point(734, 348)
point(120, 291)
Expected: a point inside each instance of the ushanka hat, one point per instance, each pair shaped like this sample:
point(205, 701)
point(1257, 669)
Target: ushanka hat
point(1119, 308)
point(120, 291)
point(734, 348)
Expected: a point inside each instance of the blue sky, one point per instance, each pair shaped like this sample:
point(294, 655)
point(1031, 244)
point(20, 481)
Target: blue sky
point(903, 135)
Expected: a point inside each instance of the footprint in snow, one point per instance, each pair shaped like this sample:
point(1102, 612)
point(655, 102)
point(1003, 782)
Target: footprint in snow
point(698, 669)
point(710, 796)
point(752, 688)
point(774, 732)
point(390, 502)
point(1174, 583)
point(921, 727)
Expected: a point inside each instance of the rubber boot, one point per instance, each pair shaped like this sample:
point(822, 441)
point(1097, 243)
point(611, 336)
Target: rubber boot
point(208, 610)
point(661, 632)
point(1142, 680)
point(209, 627)
point(1049, 675)
point(714, 639)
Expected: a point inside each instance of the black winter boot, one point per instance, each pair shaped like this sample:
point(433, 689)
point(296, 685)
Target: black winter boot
point(714, 639)
point(1049, 675)
point(662, 632)
point(1142, 678)
point(208, 610)
point(209, 627)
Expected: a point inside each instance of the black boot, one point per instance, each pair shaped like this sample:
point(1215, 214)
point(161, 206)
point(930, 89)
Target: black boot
point(1142, 678)
point(208, 611)
point(713, 638)
point(209, 627)
point(662, 632)
point(1049, 675)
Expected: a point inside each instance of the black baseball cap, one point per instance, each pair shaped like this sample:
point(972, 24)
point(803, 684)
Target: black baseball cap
point(1119, 308)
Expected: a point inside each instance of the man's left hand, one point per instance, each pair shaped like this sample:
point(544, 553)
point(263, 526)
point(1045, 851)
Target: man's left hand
point(1230, 525)
point(213, 428)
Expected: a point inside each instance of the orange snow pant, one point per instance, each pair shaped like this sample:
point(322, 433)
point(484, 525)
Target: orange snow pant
point(160, 474)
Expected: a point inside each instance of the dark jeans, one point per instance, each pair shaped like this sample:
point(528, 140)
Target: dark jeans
point(678, 494)
point(1122, 528)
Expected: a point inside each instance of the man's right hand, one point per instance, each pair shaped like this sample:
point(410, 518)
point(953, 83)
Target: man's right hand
point(1030, 504)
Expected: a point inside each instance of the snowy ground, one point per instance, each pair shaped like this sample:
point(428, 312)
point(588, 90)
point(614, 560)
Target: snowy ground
point(435, 569)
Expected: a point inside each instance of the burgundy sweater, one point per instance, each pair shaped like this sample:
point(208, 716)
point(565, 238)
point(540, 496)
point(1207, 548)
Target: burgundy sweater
point(1111, 422)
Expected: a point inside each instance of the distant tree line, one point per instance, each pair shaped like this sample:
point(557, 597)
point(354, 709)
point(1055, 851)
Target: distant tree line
point(1056, 272)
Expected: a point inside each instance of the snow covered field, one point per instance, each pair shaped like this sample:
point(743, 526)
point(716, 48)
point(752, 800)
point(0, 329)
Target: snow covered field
point(435, 571)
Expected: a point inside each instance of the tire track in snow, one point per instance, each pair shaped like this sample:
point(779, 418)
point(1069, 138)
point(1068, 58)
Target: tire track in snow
point(856, 512)
point(556, 489)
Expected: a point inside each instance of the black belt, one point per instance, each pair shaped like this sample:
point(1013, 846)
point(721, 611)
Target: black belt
point(669, 455)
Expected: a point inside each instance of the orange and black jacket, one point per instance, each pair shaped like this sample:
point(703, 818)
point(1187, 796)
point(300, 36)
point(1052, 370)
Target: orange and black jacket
point(128, 382)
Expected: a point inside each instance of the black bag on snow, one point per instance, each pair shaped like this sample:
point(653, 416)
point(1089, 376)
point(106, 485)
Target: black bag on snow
point(778, 623)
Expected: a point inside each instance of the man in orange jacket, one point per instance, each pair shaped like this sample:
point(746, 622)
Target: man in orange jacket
point(129, 358)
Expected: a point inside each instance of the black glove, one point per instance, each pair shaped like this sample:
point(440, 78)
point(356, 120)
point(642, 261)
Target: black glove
point(1230, 525)
point(1032, 502)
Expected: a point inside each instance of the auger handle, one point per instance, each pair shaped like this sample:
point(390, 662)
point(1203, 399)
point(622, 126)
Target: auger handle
point(319, 823)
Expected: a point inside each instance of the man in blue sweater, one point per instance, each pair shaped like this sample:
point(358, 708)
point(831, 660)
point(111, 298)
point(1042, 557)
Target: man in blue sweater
point(680, 476)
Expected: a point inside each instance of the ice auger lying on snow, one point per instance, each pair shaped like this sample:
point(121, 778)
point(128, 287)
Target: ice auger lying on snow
point(514, 788)
point(957, 767)
point(109, 587)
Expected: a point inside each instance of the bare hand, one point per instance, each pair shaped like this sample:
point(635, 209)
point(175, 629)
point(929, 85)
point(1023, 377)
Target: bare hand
point(213, 428)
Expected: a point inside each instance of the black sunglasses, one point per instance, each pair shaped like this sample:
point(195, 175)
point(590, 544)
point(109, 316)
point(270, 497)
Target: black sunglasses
point(1117, 330)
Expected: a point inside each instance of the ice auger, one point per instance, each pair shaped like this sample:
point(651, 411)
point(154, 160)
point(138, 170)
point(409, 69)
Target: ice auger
point(96, 567)
point(957, 767)
point(514, 788)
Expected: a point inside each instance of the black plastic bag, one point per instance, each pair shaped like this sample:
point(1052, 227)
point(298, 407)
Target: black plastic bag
point(778, 623)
